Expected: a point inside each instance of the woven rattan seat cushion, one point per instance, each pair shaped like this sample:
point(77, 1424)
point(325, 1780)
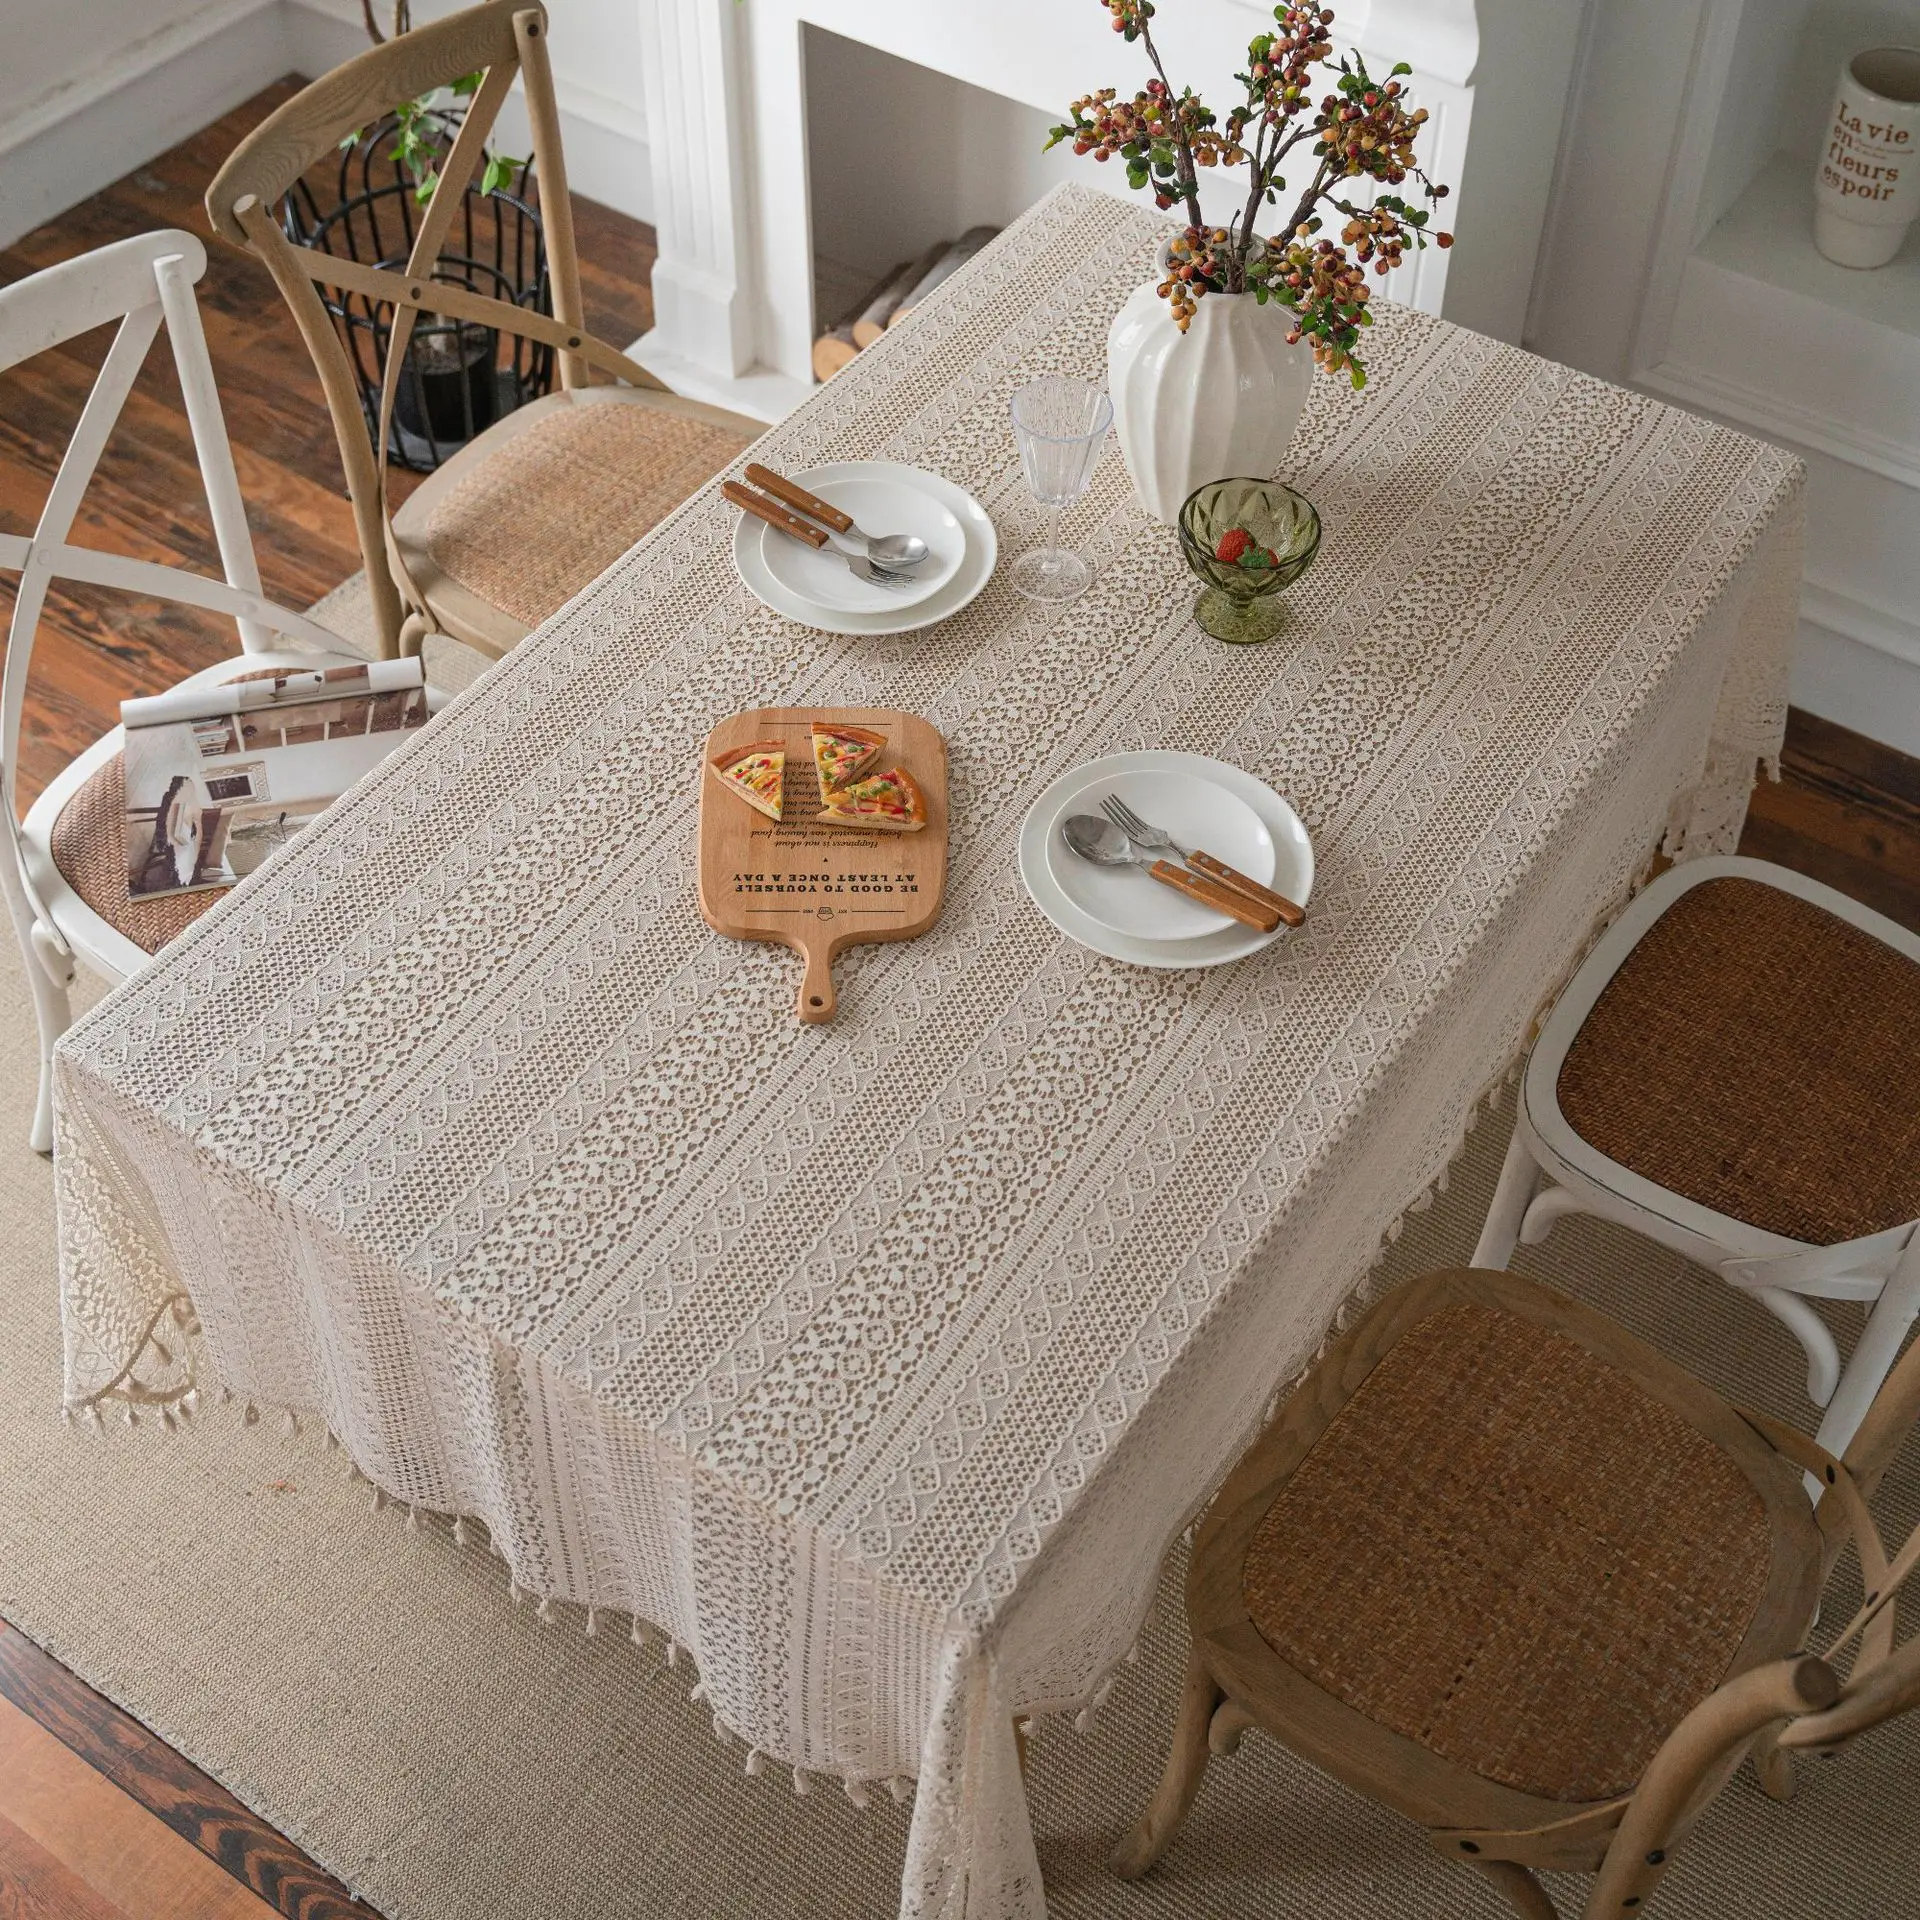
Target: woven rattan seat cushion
point(1760, 1056)
point(558, 503)
point(1503, 1548)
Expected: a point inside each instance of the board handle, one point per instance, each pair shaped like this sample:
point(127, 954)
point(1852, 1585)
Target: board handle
point(1217, 895)
point(817, 999)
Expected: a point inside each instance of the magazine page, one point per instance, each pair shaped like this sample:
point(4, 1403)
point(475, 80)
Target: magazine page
point(211, 794)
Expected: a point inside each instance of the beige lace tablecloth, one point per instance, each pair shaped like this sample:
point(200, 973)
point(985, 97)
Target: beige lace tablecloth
point(462, 1132)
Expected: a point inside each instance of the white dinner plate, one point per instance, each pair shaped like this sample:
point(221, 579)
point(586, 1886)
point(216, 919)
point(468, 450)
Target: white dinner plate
point(1292, 868)
point(755, 543)
point(1198, 812)
point(881, 503)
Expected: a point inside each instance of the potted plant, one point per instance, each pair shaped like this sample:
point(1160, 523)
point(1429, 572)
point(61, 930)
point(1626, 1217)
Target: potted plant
point(451, 384)
point(1209, 365)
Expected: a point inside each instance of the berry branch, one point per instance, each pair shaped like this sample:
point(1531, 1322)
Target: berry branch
point(1362, 130)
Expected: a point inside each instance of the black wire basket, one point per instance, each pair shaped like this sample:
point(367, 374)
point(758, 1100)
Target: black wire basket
point(458, 376)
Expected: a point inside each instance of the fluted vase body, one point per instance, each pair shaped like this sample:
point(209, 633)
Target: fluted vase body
point(1219, 400)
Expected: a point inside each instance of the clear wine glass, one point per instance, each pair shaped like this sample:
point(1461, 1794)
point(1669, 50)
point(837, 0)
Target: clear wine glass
point(1061, 425)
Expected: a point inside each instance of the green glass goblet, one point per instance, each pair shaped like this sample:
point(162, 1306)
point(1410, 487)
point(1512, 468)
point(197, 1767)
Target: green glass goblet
point(1270, 533)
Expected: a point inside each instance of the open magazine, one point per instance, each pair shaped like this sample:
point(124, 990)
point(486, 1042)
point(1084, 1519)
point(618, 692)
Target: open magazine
point(219, 777)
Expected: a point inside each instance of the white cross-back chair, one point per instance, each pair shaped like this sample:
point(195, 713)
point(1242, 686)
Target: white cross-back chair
point(142, 283)
point(1734, 1071)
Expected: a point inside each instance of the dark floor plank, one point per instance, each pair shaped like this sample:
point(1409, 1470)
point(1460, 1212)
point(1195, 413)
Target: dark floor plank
point(187, 1800)
point(1847, 811)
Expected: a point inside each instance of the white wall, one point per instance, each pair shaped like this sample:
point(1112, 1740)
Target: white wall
point(1521, 76)
point(95, 88)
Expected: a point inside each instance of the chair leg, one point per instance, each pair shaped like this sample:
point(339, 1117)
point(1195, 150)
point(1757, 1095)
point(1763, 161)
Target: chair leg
point(1772, 1764)
point(1873, 1356)
point(1806, 1326)
point(1523, 1892)
point(413, 635)
point(1154, 1831)
point(1518, 1179)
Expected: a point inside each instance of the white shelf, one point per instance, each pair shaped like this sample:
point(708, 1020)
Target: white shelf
point(1770, 332)
point(1767, 235)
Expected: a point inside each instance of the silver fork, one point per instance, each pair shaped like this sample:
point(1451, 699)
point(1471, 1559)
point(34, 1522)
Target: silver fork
point(1143, 833)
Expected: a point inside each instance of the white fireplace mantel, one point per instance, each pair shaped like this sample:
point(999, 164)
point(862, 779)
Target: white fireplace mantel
point(729, 108)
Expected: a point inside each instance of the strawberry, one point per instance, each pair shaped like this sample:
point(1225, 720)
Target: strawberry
point(1233, 543)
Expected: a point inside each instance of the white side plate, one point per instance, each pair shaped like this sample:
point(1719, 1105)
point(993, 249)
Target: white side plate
point(1199, 813)
point(753, 540)
point(1292, 870)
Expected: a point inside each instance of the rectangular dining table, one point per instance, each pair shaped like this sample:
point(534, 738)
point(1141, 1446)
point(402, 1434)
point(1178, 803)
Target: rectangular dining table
point(879, 1363)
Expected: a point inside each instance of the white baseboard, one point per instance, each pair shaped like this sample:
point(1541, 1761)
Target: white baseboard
point(67, 145)
point(1858, 665)
point(145, 98)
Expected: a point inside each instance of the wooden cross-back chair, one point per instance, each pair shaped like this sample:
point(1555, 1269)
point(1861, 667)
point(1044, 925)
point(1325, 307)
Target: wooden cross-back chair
point(64, 869)
point(542, 501)
point(1504, 1568)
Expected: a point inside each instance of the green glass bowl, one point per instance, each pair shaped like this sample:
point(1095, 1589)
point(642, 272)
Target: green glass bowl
point(1242, 604)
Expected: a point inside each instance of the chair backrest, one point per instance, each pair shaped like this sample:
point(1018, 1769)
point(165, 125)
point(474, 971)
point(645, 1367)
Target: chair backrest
point(1821, 1711)
point(142, 283)
point(1859, 1680)
point(500, 39)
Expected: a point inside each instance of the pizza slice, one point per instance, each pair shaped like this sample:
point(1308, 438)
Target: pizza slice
point(756, 772)
point(889, 802)
point(842, 754)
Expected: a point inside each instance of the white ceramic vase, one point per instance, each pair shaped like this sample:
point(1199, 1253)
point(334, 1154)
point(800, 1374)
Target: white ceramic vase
point(1221, 399)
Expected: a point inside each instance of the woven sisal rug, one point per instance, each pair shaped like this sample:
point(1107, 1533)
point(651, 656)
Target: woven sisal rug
point(373, 1693)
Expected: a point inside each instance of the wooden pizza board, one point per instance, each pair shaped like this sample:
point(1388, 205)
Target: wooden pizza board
point(814, 888)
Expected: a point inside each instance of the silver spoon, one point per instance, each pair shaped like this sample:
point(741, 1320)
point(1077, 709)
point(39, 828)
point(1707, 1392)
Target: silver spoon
point(1101, 842)
point(892, 550)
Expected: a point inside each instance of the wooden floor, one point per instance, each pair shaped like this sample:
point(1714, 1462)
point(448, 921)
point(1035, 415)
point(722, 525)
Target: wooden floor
point(100, 1820)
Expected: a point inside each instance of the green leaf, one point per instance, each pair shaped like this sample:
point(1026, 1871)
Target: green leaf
point(468, 83)
point(424, 186)
point(1054, 138)
point(1395, 71)
point(1357, 374)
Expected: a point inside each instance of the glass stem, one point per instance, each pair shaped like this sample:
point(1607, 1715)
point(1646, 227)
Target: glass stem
point(1052, 555)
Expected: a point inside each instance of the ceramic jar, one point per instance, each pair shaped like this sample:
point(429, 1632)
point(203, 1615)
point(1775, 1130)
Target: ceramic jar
point(1866, 188)
point(1222, 398)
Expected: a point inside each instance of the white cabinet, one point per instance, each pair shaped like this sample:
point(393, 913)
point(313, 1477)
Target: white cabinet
point(1679, 257)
